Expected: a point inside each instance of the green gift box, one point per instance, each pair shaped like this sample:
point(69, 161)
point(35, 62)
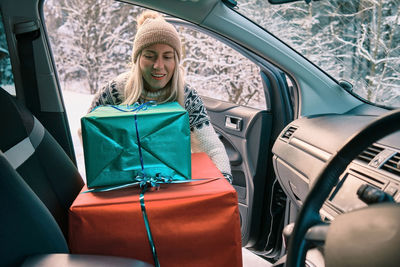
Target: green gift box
point(123, 142)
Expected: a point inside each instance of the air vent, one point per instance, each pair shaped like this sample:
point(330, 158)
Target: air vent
point(288, 133)
point(370, 153)
point(393, 164)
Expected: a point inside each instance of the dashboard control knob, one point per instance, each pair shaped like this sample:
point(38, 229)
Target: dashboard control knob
point(371, 195)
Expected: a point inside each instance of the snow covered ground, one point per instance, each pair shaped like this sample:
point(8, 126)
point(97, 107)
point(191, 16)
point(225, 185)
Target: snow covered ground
point(77, 105)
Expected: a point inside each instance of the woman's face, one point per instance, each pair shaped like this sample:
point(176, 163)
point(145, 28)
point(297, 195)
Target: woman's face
point(157, 63)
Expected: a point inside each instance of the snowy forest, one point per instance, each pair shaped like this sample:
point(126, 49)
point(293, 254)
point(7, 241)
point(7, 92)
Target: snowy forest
point(357, 41)
point(92, 41)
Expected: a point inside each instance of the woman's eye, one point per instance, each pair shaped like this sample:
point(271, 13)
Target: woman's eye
point(148, 56)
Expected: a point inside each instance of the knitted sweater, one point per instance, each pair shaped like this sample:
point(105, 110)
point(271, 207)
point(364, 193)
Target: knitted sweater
point(202, 134)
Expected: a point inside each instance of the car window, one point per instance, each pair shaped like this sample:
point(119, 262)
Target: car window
point(355, 41)
point(92, 57)
point(6, 75)
point(216, 70)
point(92, 43)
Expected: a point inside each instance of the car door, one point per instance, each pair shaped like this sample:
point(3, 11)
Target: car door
point(254, 108)
point(240, 90)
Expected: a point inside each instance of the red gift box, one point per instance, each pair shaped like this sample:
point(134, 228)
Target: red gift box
point(192, 224)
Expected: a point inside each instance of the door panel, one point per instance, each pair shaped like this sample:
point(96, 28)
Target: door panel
point(245, 134)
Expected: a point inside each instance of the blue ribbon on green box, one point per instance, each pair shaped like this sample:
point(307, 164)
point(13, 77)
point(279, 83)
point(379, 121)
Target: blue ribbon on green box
point(111, 145)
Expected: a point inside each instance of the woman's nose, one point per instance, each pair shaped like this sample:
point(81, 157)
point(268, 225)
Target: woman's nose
point(158, 63)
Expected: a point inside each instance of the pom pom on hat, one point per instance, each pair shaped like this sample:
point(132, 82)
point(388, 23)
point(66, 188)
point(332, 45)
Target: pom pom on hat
point(147, 15)
point(153, 29)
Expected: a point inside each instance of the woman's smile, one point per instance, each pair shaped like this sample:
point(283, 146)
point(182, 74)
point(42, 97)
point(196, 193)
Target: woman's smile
point(158, 76)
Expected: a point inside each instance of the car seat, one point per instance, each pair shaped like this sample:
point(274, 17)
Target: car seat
point(38, 183)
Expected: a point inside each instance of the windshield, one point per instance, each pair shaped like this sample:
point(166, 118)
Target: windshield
point(357, 41)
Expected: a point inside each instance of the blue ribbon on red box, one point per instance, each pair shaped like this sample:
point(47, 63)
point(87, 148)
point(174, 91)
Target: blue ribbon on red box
point(144, 183)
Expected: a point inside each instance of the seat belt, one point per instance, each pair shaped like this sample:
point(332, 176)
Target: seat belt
point(26, 33)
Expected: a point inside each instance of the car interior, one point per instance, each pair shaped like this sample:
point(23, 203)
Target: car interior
point(38, 184)
point(317, 172)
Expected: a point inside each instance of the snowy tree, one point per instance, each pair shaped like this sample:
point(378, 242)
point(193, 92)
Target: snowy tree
point(94, 40)
point(216, 70)
point(356, 41)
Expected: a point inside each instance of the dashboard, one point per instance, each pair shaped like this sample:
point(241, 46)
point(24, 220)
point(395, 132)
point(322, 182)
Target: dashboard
point(306, 144)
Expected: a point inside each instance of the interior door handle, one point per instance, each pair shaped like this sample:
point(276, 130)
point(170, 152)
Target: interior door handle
point(234, 123)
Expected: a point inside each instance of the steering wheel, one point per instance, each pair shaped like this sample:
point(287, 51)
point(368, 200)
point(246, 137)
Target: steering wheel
point(309, 217)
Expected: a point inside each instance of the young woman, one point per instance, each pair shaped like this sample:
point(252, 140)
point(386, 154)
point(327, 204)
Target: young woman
point(156, 74)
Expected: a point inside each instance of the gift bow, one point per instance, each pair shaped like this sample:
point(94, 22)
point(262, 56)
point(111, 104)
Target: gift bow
point(144, 181)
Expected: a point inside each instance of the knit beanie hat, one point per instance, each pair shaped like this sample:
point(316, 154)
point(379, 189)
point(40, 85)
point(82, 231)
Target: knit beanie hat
point(153, 29)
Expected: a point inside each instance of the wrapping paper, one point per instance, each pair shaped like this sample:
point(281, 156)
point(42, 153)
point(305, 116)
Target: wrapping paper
point(111, 146)
point(193, 224)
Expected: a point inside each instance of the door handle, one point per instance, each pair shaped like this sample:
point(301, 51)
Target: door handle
point(233, 123)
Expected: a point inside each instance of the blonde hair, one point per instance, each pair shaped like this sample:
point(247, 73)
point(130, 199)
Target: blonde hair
point(135, 86)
